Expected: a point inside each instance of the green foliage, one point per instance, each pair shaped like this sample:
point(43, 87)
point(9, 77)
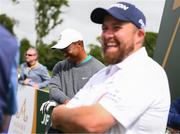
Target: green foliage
point(48, 56)
point(47, 16)
point(150, 42)
point(24, 45)
point(96, 51)
point(7, 22)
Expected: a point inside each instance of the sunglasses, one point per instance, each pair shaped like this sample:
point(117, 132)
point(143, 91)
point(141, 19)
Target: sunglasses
point(30, 54)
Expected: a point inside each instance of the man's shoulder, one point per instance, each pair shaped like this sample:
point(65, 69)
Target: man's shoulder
point(42, 66)
point(61, 63)
point(96, 61)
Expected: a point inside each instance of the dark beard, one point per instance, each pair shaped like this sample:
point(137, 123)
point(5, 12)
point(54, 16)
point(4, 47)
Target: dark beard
point(114, 58)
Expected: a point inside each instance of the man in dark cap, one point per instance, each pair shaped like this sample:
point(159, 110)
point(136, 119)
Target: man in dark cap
point(131, 95)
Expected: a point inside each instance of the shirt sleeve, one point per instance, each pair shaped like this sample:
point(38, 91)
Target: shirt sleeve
point(45, 78)
point(120, 98)
point(55, 90)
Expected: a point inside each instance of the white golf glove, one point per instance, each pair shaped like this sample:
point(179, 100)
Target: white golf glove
point(47, 106)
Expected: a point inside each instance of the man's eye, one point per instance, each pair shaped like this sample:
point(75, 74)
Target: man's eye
point(104, 28)
point(116, 27)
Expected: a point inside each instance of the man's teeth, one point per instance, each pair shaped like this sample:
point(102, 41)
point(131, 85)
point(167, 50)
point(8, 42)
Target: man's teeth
point(111, 44)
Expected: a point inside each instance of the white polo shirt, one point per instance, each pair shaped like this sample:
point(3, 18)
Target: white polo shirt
point(135, 92)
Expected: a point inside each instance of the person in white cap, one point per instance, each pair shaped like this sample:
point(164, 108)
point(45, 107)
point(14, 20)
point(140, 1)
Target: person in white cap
point(71, 74)
point(131, 95)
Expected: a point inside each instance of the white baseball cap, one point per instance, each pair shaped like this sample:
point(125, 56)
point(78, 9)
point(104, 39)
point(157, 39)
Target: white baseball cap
point(67, 37)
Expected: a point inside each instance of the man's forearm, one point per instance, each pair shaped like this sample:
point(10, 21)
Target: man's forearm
point(82, 119)
point(43, 84)
point(61, 116)
point(57, 95)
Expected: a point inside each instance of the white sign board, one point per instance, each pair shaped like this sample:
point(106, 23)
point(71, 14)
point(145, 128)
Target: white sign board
point(22, 121)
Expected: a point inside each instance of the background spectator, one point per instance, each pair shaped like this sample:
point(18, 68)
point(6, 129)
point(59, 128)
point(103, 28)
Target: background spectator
point(33, 73)
point(9, 56)
point(174, 115)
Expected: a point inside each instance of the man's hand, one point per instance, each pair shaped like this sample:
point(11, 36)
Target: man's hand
point(35, 86)
point(26, 81)
point(66, 101)
point(47, 106)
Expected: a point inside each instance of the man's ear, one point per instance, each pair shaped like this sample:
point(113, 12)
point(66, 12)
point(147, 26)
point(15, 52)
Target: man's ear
point(80, 43)
point(140, 36)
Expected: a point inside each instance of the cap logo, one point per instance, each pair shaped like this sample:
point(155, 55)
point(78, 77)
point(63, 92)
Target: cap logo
point(142, 23)
point(119, 5)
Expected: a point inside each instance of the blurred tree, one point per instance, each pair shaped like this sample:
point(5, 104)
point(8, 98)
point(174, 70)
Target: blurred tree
point(96, 51)
point(47, 13)
point(48, 56)
point(150, 42)
point(7, 22)
point(24, 45)
point(47, 16)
